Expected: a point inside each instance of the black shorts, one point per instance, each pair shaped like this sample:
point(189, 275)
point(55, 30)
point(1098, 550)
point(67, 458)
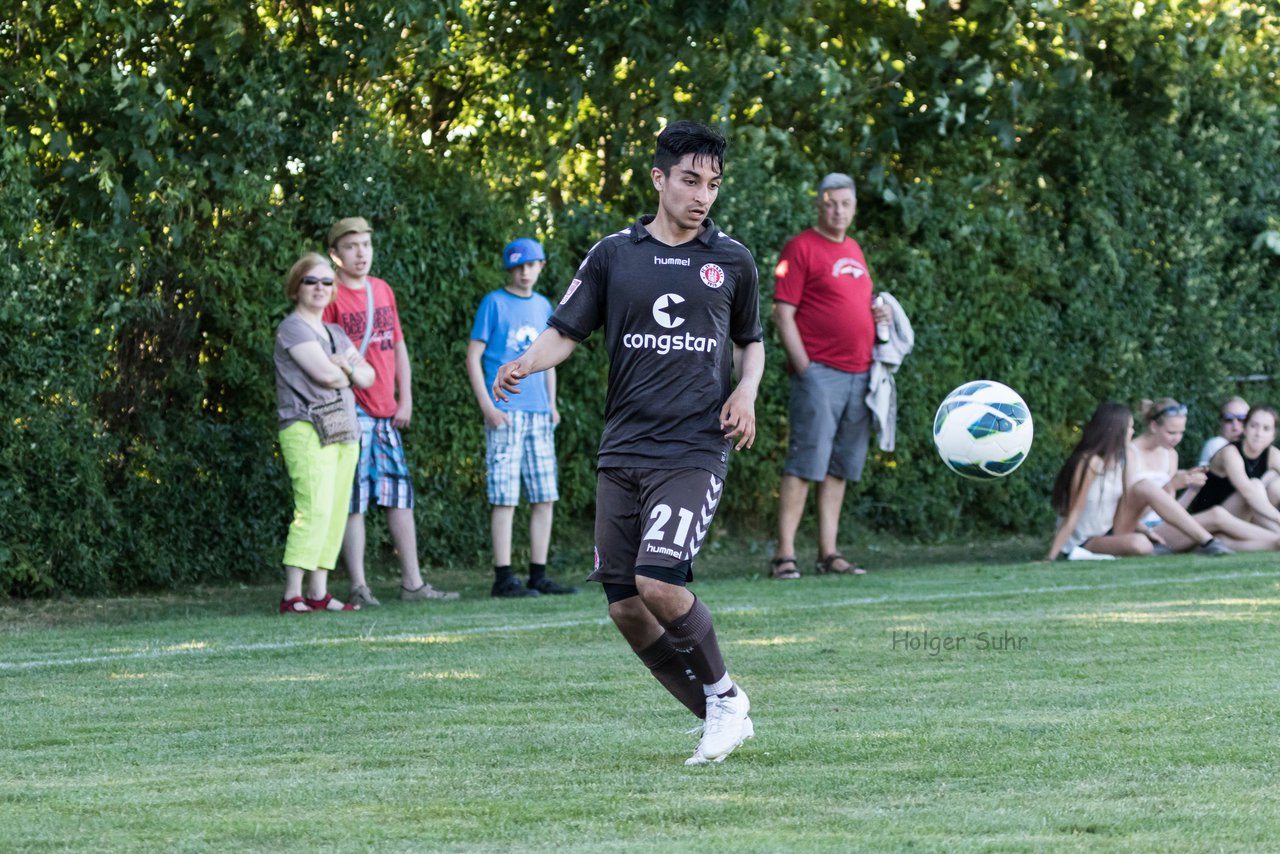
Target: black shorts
point(651, 517)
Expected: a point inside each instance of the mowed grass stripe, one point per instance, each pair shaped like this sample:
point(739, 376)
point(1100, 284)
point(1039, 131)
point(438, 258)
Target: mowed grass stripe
point(1138, 716)
point(205, 648)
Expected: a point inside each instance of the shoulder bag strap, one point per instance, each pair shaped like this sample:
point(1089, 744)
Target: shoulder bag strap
point(368, 317)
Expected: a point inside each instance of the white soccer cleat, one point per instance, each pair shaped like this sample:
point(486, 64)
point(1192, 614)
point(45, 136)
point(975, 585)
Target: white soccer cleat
point(726, 727)
point(748, 730)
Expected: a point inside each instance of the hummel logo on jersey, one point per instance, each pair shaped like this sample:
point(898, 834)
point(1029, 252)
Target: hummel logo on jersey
point(664, 344)
point(664, 262)
point(848, 267)
point(662, 313)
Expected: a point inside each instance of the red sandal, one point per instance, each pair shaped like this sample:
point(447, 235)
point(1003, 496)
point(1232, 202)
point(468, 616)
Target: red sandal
point(323, 604)
point(291, 606)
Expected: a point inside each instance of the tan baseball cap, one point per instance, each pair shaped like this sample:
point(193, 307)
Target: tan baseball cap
point(348, 225)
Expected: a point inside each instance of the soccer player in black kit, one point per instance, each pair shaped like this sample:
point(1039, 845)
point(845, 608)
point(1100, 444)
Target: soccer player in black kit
point(679, 303)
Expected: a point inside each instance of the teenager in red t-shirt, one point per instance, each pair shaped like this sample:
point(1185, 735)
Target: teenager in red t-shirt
point(383, 410)
point(825, 319)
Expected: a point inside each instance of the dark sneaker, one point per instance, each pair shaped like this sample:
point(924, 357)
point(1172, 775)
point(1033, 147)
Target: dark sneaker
point(511, 588)
point(547, 587)
point(1214, 547)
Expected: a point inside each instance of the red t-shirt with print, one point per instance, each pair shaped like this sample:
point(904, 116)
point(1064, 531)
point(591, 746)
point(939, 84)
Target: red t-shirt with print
point(348, 310)
point(830, 287)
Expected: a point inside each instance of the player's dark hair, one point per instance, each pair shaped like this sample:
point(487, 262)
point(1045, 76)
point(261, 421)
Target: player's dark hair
point(1104, 436)
point(685, 137)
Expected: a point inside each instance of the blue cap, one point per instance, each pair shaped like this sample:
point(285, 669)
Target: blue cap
point(522, 250)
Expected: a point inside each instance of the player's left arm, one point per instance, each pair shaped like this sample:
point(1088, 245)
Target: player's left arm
point(738, 415)
point(404, 387)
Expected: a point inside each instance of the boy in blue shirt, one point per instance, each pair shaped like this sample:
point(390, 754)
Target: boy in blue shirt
point(519, 433)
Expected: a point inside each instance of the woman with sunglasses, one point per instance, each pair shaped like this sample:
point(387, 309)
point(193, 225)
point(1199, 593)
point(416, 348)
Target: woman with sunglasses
point(1230, 428)
point(1154, 459)
point(315, 364)
point(1244, 477)
point(1100, 500)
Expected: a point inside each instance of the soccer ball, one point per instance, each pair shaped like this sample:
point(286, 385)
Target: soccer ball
point(983, 430)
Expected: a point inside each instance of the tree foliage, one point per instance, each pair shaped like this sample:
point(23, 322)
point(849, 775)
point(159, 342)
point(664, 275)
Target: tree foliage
point(1078, 199)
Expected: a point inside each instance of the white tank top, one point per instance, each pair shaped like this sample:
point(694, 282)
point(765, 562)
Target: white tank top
point(1158, 476)
point(1099, 507)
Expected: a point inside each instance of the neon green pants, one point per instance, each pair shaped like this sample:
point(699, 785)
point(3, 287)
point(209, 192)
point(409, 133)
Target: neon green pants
point(321, 477)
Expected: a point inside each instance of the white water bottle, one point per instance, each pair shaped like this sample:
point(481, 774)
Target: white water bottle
point(882, 329)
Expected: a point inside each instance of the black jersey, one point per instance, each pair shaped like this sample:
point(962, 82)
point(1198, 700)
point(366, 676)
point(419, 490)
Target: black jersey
point(1218, 489)
point(671, 315)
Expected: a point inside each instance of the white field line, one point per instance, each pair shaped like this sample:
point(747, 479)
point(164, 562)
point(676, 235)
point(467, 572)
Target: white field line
point(192, 649)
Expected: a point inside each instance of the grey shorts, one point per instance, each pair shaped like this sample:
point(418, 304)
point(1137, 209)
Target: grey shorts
point(651, 517)
point(830, 424)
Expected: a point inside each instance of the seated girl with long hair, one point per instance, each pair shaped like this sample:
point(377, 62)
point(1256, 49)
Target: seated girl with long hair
point(1100, 502)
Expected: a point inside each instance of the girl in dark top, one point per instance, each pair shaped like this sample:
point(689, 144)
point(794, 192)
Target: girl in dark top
point(1244, 476)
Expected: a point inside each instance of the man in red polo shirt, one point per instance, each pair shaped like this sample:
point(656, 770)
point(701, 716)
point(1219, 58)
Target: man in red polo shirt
point(825, 319)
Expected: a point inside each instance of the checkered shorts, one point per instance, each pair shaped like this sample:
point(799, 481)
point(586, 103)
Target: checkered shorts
point(522, 452)
point(382, 474)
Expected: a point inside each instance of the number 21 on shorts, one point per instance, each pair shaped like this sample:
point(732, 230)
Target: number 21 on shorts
point(660, 517)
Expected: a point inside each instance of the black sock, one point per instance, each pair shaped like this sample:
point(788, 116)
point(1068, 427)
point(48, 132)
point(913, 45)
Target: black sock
point(694, 637)
point(732, 692)
point(502, 573)
point(537, 572)
point(668, 667)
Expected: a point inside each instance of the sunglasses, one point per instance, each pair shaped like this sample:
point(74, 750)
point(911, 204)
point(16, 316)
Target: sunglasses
point(1174, 409)
point(1226, 416)
point(316, 280)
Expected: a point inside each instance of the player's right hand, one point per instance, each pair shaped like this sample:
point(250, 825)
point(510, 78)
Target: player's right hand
point(509, 376)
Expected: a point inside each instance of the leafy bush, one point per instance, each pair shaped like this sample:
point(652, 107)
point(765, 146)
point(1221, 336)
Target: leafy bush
point(1073, 200)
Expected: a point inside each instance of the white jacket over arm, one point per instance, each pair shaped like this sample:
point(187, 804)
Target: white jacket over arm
point(886, 358)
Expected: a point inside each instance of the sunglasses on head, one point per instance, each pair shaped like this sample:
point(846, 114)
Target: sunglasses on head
point(1228, 416)
point(316, 280)
point(1174, 409)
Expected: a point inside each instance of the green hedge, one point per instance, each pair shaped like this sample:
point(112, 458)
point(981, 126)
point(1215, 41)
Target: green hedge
point(1068, 199)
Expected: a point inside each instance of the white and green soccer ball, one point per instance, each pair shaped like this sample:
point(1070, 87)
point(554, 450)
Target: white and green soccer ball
point(983, 430)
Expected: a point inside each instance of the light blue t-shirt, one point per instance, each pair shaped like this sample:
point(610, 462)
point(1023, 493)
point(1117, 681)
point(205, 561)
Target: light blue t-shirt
point(507, 324)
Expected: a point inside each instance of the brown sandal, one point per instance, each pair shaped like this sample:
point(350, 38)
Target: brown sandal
point(832, 565)
point(778, 568)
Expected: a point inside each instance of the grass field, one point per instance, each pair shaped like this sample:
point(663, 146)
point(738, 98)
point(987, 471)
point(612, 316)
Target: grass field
point(954, 704)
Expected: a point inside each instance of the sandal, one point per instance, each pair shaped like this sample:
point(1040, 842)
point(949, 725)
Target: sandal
point(837, 564)
point(779, 569)
point(328, 603)
point(296, 605)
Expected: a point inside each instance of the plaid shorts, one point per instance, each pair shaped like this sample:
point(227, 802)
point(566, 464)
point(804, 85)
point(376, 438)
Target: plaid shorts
point(382, 474)
point(522, 452)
